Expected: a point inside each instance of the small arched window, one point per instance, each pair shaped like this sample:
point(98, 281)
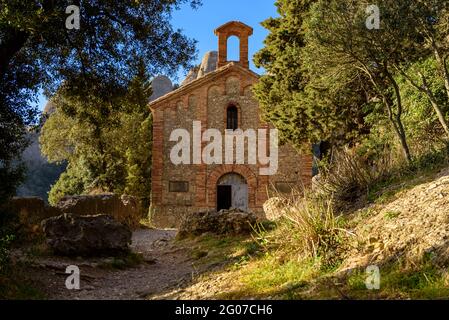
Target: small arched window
point(232, 118)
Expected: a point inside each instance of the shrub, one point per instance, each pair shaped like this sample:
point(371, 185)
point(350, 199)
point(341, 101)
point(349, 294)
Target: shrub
point(8, 227)
point(310, 229)
point(349, 175)
point(72, 182)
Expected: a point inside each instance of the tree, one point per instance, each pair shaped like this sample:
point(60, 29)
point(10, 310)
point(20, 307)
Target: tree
point(37, 51)
point(432, 24)
point(419, 25)
point(283, 78)
point(339, 39)
point(295, 96)
point(108, 148)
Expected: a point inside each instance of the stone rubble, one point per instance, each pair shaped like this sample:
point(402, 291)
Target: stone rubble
point(229, 222)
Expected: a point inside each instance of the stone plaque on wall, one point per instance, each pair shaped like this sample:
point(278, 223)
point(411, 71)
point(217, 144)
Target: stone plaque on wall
point(179, 186)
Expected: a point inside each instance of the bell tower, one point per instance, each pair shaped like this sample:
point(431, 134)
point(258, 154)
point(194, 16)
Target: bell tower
point(241, 31)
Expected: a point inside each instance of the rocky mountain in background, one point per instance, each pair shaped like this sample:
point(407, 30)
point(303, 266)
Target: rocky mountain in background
point(208, 64)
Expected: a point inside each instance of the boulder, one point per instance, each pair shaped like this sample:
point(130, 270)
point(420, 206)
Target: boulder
point(224, 222)
point(124, 209)
point(72, 235)
point(274, 208)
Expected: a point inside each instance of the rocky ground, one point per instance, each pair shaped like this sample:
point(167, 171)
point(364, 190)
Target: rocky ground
point(164, 268)
point(413, 227)
point(158, 266)
point(410, 227)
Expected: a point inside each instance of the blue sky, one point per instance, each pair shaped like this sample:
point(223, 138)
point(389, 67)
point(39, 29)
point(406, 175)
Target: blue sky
point(201, 23)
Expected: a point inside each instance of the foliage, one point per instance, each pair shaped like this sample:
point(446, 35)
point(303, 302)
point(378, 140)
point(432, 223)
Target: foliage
point(108, 148)
point(8, 222)
point(138, 162)
point(351, 81)
point(113, 35)
point(294, 96)
point(75, 180)
point(37, 52)
point(309, 229)
point(421, 122)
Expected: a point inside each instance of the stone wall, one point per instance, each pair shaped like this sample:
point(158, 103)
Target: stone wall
point(124, 209)
point(30, 211)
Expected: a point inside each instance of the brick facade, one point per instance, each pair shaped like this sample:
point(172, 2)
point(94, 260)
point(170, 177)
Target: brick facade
point(206, 99)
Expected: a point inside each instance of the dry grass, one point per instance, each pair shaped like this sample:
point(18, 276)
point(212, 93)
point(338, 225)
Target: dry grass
point(350, 176)
point(308, 229)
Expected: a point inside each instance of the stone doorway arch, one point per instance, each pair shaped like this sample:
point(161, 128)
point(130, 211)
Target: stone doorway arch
point(232, 192)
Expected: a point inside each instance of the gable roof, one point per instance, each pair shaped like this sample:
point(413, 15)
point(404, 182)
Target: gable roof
point(234, 24)
point(232, 66)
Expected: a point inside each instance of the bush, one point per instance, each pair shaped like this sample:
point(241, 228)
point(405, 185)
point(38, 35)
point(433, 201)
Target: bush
point(72, 182)
point(308, 229)
point(8, 223)
point(350, 175)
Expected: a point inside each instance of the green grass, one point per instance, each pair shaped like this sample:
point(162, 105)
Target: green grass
point(211, 249)
point(396, 282)
point(272, 277)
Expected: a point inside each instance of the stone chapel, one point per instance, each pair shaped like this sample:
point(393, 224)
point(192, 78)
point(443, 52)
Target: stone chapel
point(218, 94)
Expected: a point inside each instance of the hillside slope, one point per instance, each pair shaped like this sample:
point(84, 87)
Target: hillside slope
point(406, 236)
point(413, 227)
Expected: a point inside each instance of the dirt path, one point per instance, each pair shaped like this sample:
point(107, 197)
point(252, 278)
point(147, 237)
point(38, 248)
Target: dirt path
point(165, 267)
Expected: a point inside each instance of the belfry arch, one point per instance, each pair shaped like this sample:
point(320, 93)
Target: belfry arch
point(242, 32)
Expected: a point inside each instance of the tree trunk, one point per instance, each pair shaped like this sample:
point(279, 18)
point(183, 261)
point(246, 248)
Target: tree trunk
point(397, 118)
point(424, 88)
point(403, 138)
point(442, 67)
point(435, 105)
point(398, 129)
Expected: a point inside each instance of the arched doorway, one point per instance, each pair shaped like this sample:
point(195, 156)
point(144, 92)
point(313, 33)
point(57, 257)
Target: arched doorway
point(232, 192)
